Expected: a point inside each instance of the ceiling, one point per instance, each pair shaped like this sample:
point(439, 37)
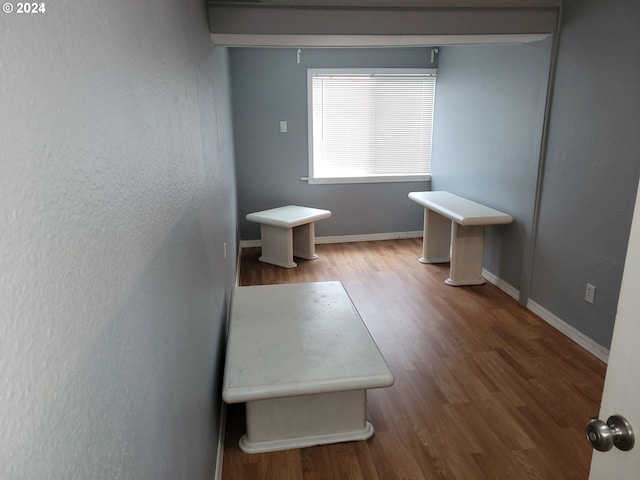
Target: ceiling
point(380, 23)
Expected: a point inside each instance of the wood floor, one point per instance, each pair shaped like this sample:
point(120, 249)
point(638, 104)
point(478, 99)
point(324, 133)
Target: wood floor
point(484, 389)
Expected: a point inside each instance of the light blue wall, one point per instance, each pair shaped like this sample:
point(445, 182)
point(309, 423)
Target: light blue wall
point(269, 86)
point(592, 165)
point(490, 106)
point(489, 111)
point(118, 194)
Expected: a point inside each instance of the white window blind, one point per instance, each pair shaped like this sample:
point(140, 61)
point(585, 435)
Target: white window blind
point(370, 125)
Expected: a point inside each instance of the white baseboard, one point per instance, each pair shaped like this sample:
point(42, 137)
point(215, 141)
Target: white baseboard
point(369, 237)
point(581, 339)
point(250, 243)
point(366, 237)
point(507, 288)
point(217, 475)
point(238, 258)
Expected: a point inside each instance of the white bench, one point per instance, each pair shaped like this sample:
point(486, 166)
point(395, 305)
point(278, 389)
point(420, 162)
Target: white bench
point(454, 232)
point(301, 358)
point(287, 232)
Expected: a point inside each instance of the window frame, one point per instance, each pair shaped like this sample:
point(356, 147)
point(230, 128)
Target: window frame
point(358, 71)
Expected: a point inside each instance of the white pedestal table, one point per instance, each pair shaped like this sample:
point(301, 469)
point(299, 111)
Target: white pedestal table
point(287, 232)
point(302, 359)
point(454, 232)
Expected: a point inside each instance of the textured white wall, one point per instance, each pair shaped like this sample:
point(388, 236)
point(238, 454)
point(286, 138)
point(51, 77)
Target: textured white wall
point(117, 194)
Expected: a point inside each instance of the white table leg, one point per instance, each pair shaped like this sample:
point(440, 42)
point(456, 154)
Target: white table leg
point(304, 241)
point(436, 238)
point(277, 246)
point(467, 246)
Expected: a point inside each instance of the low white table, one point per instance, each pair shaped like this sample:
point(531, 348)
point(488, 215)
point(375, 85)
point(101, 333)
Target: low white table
point(301, 358)
point(287, 232)
point(454, 232)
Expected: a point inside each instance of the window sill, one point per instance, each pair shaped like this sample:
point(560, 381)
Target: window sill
point(380, 179)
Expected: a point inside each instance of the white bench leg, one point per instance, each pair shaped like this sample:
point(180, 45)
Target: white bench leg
point(467, 247)
point(304, 241)
point(277, 246)
point(436, 238)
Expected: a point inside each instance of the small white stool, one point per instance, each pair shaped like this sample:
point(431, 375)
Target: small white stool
point(287, 232)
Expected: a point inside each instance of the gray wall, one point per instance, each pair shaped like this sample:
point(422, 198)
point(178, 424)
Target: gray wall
point(117, 196)
point(489, 110)
point(269, 86)
point(592, 166)
point(486, 147)
point(490, 104)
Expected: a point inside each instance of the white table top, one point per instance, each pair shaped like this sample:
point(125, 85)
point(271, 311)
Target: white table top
point(289, 216)
point(460, 210)
point(298, 339)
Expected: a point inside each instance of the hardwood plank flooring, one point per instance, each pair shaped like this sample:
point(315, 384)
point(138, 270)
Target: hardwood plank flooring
point(484, 388)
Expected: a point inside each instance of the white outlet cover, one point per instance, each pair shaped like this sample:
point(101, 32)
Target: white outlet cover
point(590, 293)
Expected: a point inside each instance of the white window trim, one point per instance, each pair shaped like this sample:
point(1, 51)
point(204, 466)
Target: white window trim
point(354, 71)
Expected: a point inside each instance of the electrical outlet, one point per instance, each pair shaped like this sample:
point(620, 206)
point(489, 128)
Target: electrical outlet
point(225, 250)
point(283, 126)
point(590, 293)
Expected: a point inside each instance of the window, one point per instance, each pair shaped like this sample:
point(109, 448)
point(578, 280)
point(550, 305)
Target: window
point(370, 125)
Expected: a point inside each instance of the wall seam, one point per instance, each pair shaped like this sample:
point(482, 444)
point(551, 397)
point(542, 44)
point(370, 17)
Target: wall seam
point(527, 270)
